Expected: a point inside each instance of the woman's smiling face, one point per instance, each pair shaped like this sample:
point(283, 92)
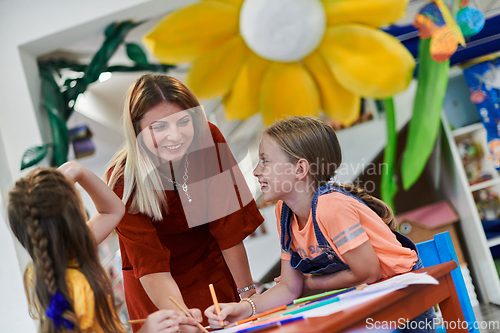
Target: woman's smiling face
point(167, 131)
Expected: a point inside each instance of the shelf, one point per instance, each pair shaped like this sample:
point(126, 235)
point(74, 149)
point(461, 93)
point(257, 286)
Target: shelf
point(494, 241)
point(485, 184)
point(467, 129)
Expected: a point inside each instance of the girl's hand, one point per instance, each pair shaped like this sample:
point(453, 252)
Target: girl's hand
point(192, 325)
point(230, 313)
point(166, 321)
point(110, 209)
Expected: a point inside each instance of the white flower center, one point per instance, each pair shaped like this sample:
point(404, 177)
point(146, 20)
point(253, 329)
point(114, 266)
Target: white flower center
point(282, 30)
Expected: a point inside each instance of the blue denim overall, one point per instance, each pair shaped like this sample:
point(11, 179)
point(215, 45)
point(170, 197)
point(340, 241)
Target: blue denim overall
point(328, 262)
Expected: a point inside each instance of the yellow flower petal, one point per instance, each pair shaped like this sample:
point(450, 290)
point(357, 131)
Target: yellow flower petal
point(288, 89)
point(376, 13)
point(236, 3)
point(213, 74)
point(367, 61)
point(243, 101)
point(337, 102)
point(189, 32)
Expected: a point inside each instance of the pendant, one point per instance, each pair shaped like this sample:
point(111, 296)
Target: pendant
point(190, 200)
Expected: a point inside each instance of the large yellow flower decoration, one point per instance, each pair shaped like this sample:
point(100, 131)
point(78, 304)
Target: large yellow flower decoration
point(283, 57)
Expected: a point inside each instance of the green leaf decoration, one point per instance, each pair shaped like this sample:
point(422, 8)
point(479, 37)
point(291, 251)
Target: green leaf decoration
point(59, 101)
point(110, 29)
point(33, 155)
point(136, 54)
point(51, 93)
point(60, 136)
point(388, 186)
point(424, 124)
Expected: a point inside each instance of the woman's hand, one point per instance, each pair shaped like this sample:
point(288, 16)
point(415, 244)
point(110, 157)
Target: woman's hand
point(167, 321)
point(230, 313)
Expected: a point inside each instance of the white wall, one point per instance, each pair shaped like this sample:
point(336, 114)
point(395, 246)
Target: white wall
point(13, 307)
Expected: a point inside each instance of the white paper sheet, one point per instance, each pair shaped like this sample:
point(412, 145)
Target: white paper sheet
point(357, 297)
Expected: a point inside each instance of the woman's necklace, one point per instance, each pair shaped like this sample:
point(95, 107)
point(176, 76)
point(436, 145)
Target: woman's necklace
point(185, 178)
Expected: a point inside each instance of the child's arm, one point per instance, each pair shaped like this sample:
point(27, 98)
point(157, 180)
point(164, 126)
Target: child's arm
point(364, 268)
point(165, 321)
point(110, 208)
point(288, 289)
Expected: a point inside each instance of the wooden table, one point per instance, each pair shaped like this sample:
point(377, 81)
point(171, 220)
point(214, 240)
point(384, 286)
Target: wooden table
point(404, 303)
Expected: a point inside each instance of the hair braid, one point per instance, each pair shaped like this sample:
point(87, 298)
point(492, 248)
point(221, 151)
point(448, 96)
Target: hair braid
point(42, 257)
point(45, 214)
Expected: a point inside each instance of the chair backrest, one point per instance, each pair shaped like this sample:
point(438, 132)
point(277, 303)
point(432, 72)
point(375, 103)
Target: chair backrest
point(439, 250)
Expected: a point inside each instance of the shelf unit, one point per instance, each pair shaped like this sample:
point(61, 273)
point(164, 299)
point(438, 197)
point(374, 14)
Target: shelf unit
point(462, 115)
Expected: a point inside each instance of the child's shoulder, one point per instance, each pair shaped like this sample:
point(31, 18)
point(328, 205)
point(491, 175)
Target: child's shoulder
point(338, 199)
point(77, 282)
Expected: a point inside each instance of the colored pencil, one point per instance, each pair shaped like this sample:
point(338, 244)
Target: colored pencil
point(328, 293)
point(136, 321)
point(317, 296)
point(266, 326)
point(187, 313)
point(257, 316)
point(313, 306)
point(216, 303)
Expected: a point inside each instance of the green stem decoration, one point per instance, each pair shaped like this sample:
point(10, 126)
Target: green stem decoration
point(424, 124)
point(388, 186)
point(59, 101)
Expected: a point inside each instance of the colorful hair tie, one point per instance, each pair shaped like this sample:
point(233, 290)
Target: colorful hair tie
point(58, 304)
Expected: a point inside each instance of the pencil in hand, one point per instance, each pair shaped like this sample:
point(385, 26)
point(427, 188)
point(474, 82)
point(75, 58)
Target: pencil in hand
point(216, 303)
point(187, 313)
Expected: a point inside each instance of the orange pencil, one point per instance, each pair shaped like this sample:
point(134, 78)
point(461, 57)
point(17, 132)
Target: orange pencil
point(257, 316)
point(136, 321)
point(216, 303)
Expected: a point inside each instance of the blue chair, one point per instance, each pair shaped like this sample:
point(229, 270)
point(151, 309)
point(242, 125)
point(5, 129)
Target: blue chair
point(440, 250)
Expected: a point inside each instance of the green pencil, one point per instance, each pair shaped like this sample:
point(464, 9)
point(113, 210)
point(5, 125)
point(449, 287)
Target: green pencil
point(313, 306)
point(317, 296)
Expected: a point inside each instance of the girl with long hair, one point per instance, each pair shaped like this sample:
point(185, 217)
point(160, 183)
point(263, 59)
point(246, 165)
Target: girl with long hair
point(67, 288)
point(332, 235)
point(188, 207)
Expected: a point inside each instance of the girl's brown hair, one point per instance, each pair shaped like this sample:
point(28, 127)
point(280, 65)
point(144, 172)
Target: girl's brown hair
point(47, 217)
point(315, 141)
point(132, 160)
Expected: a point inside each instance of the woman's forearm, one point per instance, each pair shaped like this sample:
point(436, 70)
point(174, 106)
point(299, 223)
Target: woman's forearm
point(159, 287)
point(237, 261)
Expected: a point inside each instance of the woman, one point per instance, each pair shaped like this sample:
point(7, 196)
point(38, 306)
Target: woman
point(188, 207)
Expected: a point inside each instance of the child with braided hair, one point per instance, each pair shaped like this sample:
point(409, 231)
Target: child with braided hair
point(68, 290)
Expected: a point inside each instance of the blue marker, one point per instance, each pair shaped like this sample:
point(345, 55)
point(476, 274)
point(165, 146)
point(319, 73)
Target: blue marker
point(269, 325)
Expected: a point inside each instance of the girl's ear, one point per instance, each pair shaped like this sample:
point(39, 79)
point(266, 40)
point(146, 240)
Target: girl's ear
point(301, 169)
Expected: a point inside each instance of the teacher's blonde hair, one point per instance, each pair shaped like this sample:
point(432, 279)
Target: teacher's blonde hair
point(141, 177)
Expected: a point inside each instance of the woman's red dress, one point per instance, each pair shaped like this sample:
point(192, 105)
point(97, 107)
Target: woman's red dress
point(192, 255)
